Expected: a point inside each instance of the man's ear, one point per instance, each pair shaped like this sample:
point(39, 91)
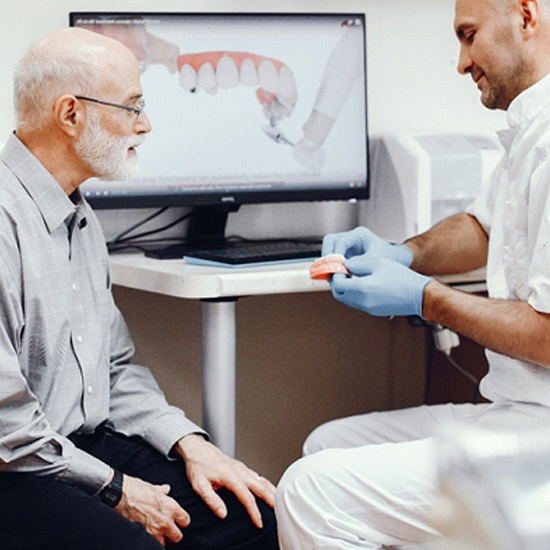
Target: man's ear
point(530, 13)
point(69, 115)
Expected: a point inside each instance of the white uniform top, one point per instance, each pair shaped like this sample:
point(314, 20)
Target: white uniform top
point(514, 209)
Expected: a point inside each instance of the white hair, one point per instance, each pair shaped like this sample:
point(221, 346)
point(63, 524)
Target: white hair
point(40, 80)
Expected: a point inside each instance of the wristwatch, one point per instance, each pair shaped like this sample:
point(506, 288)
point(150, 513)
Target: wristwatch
point(112, 492)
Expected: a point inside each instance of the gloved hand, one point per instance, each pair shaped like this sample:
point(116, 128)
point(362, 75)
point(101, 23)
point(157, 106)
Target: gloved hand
point(387, 288)
point(364, 243)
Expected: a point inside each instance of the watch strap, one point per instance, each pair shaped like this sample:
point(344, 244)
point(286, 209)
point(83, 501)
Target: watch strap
point(112, 492)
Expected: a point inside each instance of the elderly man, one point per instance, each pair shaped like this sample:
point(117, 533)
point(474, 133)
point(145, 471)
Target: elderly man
point(369, 481)
point(91, 455)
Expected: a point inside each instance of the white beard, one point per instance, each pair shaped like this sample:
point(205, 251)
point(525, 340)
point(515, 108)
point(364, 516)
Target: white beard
point(105, 154)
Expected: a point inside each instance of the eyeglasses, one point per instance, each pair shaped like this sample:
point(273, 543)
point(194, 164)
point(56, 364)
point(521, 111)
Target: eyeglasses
point(135, 110)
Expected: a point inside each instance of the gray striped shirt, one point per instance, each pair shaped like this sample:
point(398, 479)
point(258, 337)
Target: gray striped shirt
point(65, 350)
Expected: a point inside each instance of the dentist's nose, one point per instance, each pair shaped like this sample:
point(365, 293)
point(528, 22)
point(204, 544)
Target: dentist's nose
point(464, 61)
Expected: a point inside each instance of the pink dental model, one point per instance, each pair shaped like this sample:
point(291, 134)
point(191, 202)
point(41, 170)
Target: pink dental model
point(328, 265)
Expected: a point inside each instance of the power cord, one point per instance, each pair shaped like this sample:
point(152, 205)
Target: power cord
point(445, 341)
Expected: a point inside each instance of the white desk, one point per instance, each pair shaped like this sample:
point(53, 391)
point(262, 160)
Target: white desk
point(219, 289)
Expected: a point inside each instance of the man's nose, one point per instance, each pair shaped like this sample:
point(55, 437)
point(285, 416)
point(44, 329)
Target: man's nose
point(143, 124)
point(464, 61)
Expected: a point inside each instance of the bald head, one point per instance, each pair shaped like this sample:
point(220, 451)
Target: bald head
point(66, 61)
point(504, 46)
point(506, 6)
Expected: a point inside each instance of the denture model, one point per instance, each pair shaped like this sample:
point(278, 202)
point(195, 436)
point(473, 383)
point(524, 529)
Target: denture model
point(277, 91)
point(328, 265)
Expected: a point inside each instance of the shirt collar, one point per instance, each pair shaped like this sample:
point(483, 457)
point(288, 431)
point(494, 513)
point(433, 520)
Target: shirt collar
point(524, 108)
point(529, 104)
point(49, 197)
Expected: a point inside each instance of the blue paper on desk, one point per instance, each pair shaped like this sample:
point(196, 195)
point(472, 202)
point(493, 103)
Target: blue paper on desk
point(192, 260)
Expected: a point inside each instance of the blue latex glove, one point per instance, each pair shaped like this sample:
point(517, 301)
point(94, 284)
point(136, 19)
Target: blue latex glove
point(387, 288)
point(364, 243)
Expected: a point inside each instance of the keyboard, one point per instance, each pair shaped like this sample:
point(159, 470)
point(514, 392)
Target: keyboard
point(248, 252)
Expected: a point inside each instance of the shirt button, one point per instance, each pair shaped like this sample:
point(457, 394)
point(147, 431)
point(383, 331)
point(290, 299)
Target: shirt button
point(89, 389)
point(79, 339)
point(75, 287)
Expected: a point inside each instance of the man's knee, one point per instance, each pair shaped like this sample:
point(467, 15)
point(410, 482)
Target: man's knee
point(301, 489)
point(320, 438)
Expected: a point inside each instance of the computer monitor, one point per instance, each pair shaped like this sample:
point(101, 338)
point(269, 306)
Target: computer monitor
point(246, 107)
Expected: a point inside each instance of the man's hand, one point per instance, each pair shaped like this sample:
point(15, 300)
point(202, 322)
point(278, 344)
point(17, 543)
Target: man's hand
point(151, 506)
point(366, 244)
point(384, 288)
point(208, 469)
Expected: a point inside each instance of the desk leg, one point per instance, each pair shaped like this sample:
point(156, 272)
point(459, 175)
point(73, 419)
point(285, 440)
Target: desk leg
point(219, 372)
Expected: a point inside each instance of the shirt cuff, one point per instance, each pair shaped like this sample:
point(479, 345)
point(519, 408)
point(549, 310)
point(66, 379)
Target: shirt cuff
point(168, 429)
point(86, 471)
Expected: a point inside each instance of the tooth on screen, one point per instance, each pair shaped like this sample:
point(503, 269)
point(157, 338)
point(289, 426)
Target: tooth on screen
point(188, 78)
point(266, 108)
point(278, 110)
point(267, 76)
point(207, 78)
point(227, 73)
point(248, 76)
point(287, 91)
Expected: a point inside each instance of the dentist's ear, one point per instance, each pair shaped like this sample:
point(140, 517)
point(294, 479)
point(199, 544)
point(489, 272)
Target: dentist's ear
point(69, 114)
point(529, 14)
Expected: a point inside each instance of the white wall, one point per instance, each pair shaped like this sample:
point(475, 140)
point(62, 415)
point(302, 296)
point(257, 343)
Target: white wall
point(412, 58)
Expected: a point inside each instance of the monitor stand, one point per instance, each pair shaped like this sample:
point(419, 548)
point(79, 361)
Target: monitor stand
point(206, 229)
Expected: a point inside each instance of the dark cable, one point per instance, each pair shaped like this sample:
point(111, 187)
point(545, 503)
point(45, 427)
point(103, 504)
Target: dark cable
point(124, 240)
point(120, 237)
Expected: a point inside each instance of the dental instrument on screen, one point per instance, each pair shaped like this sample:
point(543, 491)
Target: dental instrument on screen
point(276, 135)
point(311, 155)
point(343, 68)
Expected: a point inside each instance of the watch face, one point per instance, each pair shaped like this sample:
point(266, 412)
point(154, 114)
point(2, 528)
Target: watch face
point(111, 496)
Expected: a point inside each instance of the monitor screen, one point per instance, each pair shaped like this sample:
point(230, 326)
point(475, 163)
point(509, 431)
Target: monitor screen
point(245, 107)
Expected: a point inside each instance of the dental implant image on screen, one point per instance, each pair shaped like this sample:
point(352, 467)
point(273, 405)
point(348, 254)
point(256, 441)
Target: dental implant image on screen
point(277, 92)
point(210, 71)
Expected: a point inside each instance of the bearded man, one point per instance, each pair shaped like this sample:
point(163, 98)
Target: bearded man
point(91, 454)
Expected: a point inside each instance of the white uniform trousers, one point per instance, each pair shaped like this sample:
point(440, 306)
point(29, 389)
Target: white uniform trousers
point(370, 481)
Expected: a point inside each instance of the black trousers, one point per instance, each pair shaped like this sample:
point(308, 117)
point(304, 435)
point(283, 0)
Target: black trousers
point(41, 513)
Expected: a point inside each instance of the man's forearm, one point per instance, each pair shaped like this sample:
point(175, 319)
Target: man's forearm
point(509, 327)
point(455, 245)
